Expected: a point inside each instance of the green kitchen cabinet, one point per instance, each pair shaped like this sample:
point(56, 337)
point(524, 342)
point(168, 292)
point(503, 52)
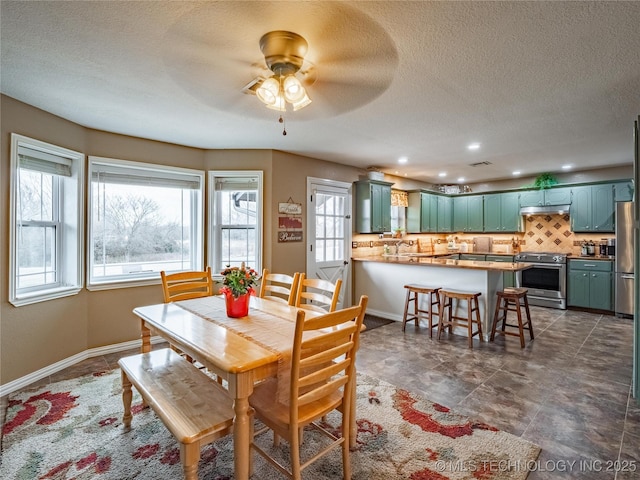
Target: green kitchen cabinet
point(508, 278)
point(592, 209)
point(473, 257)
point(373, 206)
point(422, 212)
point(444, 210)
point(468, 213)
point(590, 284)
point(547, 196)
point(623, 191)
point(502, 212)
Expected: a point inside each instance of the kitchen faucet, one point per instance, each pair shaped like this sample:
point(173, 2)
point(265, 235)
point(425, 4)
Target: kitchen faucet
point(401, 242)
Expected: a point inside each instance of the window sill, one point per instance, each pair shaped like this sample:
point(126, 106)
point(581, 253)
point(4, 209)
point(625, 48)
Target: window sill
point(114, 284)
point(44, 296)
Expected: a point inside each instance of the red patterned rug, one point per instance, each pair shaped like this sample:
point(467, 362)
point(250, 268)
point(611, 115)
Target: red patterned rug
point(73, 430)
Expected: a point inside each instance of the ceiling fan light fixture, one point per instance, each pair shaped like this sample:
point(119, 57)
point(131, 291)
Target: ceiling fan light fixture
point(284, 55)
point(303, 102)
point(293, 89)
point(268, 91)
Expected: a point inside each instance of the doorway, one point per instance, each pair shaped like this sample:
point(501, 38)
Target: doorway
point(329, 233)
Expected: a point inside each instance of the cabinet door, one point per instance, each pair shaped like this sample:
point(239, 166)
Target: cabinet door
point(578, 288)
point(460, 214)
point(510, 218)
point(415, 212)
point(444, 214)
point(432, 202)
point(493, 212)
point(580, 212)
point(603, 208)
point(475, 213)
point(557, 196)
point(532, 198)
point(376, 208)
point(385, 207)
point(600, 289)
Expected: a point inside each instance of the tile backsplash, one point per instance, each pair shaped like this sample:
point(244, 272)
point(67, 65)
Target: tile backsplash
point(543, 233)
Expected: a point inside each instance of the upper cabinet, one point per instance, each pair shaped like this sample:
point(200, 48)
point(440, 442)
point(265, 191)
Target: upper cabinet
point(592, 209)
point(373, 206)
point(623, 191)
point(444, 212)
point(468, 213)
point(551, 196)
point(422, 213)
point(502, 212)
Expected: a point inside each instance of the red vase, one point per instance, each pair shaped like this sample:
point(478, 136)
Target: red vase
point(237, 306)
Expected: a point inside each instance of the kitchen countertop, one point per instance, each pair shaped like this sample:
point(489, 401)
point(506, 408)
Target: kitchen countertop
point(428, 259)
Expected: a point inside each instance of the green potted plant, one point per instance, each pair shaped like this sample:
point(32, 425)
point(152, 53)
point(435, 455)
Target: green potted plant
point(545, 180)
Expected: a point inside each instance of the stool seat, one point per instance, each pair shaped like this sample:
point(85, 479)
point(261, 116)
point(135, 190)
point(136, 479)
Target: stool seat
point(413, 296)
point(509, 301)
point(448, 320)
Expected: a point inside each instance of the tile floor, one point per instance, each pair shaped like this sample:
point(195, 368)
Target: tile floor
point(568, 391)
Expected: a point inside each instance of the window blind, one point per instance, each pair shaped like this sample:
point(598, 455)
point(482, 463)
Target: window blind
point(43, 162)
point(116, 174)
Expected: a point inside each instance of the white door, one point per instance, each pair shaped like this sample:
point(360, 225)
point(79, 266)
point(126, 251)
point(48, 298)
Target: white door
point(329, 233)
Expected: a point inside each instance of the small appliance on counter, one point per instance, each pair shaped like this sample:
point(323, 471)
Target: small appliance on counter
point(611, 247)
point(482, 244)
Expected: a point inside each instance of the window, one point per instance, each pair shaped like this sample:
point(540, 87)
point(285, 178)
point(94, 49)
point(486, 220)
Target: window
point(235, 210)
point(46, 221)
point(143, 218)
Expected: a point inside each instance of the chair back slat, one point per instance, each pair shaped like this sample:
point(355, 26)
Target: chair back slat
point(279, 287)
point(318, 294)
point(186, 285)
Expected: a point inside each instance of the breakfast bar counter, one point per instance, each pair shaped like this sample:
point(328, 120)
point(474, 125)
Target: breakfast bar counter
point(383, 278)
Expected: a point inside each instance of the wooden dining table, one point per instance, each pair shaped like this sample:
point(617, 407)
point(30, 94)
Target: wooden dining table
point(242, 351)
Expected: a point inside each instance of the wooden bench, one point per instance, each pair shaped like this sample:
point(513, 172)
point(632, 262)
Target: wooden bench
point(194, 408)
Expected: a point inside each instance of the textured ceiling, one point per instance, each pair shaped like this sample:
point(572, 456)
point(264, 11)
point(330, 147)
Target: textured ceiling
point(538, 84)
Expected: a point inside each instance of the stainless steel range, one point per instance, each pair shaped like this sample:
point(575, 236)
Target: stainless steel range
point(546, 280)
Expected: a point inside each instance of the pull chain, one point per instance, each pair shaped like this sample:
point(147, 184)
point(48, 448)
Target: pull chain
point(284, 125)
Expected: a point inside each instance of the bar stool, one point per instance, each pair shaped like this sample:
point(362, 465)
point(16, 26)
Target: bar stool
point(447, 319)
point(509, 301)
point(413, 296)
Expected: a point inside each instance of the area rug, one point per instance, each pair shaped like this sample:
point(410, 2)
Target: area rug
point(371, 322)
point(73, 430)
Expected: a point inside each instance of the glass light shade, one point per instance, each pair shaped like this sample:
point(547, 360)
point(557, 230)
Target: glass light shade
point(293, 89)
point(268, 91)
point(303, 102)
point(278, 103)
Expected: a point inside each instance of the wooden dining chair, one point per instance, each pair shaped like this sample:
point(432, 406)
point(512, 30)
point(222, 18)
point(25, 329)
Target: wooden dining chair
point(186, 285)
point(322, 380)
point(318, 294)
point(279, 287)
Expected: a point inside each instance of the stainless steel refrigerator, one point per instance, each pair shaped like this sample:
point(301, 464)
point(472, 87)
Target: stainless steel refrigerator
point(625, 292)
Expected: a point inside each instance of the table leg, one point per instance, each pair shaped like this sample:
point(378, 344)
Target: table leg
point(241, 387)
point(145, 335)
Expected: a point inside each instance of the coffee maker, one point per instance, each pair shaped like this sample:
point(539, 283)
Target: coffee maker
point(611, 247)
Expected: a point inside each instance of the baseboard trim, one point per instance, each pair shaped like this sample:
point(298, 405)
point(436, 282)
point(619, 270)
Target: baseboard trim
point(22, 382)
point(387, 315)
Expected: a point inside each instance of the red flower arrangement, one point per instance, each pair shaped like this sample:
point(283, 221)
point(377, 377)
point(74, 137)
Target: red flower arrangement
point(239, 280)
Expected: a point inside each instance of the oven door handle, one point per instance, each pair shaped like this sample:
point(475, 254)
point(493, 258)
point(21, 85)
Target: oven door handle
point(549, 266)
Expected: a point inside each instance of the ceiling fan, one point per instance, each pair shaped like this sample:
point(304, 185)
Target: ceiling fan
point(212, 52)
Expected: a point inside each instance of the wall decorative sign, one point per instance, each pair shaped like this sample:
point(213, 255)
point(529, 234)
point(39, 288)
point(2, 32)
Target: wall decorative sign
point(289, 221)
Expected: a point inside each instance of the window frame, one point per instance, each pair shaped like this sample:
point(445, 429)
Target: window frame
point(197, 221)
point(68, 218)
point(214, 228)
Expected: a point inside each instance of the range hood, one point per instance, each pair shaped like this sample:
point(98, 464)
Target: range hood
point(545, 209)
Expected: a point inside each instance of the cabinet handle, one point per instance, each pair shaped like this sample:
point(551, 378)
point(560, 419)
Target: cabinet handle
point(589, 265)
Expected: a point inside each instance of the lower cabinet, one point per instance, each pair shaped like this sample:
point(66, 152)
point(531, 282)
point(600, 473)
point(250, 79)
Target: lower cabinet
point(508, 278)
point(590, 284)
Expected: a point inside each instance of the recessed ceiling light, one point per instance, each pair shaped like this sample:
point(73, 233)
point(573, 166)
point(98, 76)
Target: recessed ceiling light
point(566, 167)
point(403, 160)
point(461, 179)
point(442, 174)
point(397, 172)
point(473, 146)
point(516, 173)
